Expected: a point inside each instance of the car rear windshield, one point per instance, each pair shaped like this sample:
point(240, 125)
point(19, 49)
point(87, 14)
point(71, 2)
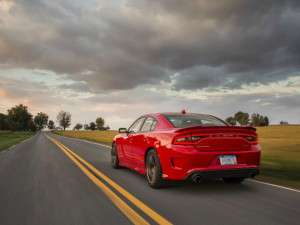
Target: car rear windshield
point(191, 120)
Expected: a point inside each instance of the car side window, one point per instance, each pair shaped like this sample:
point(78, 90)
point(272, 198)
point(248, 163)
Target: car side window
point(148, 125)
point(153, 125)
point(135, 127)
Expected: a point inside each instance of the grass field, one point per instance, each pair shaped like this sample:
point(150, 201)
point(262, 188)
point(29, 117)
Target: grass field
point(280, 155)
point(280, 151)
point(8, 138)
point(104, 137)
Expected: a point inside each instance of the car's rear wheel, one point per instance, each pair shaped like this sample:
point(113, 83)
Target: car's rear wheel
point(153, 170)
point(114, 160)
point(233, 180)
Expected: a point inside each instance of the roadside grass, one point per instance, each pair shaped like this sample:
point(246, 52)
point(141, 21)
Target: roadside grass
point(280, 154)
point(280, 163)
point(104, 137)
point(9, 138)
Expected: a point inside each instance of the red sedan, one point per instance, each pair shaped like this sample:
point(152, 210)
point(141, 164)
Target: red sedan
point(180, 146)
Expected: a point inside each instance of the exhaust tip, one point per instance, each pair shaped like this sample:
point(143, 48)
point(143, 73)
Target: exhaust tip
point(197, 178)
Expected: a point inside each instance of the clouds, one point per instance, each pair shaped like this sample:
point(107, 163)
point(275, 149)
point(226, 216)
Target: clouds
point(130, 43)
point(108, 50)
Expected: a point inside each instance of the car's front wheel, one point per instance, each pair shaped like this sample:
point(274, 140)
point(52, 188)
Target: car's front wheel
point(114, 160)
point(153, 170)
point(233, 180)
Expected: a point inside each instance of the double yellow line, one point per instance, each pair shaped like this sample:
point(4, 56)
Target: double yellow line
point(130, 213)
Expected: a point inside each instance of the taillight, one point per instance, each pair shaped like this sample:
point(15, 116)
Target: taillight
point(251, 138)
point(187, 140)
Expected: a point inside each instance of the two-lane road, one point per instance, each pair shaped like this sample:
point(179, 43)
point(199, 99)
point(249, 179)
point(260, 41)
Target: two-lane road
point(62, 181)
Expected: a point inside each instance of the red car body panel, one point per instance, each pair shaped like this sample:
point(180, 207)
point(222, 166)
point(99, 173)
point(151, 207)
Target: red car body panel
point(179, 162)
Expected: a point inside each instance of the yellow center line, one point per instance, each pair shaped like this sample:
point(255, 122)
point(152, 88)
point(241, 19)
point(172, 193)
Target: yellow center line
point(142, 206)
point(132, 215)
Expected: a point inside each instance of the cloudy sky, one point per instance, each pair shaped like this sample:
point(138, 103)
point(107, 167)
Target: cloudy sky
point(121, 58)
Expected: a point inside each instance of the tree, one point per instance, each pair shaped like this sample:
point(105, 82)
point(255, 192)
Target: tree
point(64, 119)
point(92, 126)
point(100, 123)
point(40, 120)
point(283, 122)
point(242, 118)
point(231, 120)
point(78, 126)
point(267, 121)
point(259, 120)
point(86, 127)
point(3, 122)
point(19, 119)
point(51, 125)
point(32, 126)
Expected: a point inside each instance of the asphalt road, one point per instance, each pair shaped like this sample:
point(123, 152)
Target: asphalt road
point(40, 183)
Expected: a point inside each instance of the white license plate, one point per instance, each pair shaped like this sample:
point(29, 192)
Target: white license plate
point(228, 160)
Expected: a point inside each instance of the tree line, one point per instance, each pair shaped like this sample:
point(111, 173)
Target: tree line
point(18, 118)
point(97, 125)
point(244, 119)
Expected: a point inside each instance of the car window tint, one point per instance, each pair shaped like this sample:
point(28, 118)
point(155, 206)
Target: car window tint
point(147, 124)
point(135, 127)
point(187, 120)
point(153, 125)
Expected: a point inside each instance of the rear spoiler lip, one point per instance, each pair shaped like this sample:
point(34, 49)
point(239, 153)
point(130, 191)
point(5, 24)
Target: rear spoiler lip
point(214, 127)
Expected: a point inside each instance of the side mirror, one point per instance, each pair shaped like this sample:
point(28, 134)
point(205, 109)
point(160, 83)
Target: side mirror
point(123, 130)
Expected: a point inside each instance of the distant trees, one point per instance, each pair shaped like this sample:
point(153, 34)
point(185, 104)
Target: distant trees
point(19, 119)
point(64, 119)
point(283, 122)
point(51, 125)
point(86, 127)
point(92, 126)
point(3, 122)
point(78, 126)
point(41, 120)
point(231, 120)
point(100, 123)
point(258, 120)
point(243, 119)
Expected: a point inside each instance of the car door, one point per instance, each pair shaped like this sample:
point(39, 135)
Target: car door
point(129, 143)
point(141, 144)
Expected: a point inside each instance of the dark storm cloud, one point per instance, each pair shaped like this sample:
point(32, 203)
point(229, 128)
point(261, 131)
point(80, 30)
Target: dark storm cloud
point(121, 45)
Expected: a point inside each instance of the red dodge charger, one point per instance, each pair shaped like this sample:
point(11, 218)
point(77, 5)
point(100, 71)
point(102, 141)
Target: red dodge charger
point(179, 146)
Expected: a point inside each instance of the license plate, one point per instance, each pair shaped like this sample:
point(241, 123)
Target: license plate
point(228, 160)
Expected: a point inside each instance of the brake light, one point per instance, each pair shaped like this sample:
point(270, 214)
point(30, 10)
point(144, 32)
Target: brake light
point(251, 138)
point(187, 140)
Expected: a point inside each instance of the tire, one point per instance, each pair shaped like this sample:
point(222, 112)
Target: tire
point(153, 170)
point(233, 180)
point(114, 160)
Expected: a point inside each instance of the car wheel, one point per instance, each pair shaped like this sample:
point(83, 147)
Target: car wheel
point(233, 180)
point(153, 170)
point(114, 160)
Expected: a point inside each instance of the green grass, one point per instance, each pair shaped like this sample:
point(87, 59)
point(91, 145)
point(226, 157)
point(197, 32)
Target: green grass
point(280, 155)
point(8, 138)
point(280, 162)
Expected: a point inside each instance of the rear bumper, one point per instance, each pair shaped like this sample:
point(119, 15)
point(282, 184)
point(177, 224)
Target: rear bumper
point(180, 163)
point(246, 173)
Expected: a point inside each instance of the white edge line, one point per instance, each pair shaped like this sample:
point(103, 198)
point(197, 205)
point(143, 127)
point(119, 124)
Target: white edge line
point(83, 140)
point(275, 185)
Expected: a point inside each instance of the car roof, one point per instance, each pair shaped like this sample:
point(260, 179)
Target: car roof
point(174, 113)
